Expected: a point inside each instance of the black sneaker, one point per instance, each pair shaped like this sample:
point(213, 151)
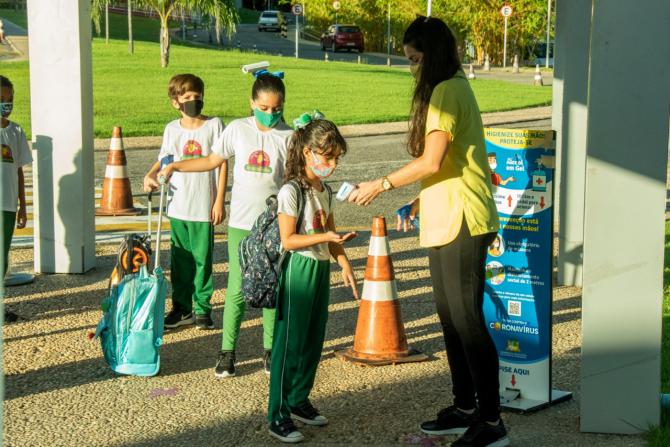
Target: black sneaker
point(483, 434)
point(450, 421)
point(307, 414)
point(267, 358)
point(286, 431)
point(204, 322)
point(225, 365)
point(176, 318)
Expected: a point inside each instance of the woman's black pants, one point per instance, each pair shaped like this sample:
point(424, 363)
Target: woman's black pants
point(458, 275)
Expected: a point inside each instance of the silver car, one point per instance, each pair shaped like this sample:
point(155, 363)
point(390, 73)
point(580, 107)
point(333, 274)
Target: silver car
point(270, 20)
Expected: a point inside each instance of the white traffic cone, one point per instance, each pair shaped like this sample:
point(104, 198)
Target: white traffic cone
point(472, 75)
point(537, 80)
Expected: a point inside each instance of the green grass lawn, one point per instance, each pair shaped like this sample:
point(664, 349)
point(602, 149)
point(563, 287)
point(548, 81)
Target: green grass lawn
point(660, 436)
point(130, 91)
point(16, 17)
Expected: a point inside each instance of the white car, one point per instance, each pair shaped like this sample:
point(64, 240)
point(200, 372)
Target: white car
point(270, 20)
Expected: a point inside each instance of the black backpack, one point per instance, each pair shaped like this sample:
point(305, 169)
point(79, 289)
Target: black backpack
point(261, 253)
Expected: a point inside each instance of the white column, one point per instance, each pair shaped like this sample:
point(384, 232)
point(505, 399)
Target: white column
point(61, 93)
point(571, 71)
point(627, 155)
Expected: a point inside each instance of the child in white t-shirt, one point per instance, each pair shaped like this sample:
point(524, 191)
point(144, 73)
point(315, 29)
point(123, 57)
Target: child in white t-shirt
point(304, 286)
point(195, 204)
point(258, 144)
point(15, 155)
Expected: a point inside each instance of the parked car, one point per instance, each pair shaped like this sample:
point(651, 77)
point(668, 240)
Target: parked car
point(270, 20)
point(340, 37)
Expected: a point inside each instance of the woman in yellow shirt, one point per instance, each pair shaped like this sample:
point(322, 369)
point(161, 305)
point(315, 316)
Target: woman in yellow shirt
point(458, 223)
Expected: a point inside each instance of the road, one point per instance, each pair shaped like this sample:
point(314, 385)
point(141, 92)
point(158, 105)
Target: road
point(368, 158)
point(272, 43)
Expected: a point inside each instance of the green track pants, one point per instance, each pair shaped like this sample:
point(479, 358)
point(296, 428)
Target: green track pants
point(299, 333)
point(234, 307)
point(191, 271)
point(8, 223)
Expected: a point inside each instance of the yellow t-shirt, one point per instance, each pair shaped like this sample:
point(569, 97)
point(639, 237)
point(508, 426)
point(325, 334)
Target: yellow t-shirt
point(462, 187)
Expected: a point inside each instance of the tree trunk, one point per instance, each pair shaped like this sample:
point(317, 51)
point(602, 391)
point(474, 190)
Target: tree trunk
point(165, 41)
point(131, 49)
point(107, 22)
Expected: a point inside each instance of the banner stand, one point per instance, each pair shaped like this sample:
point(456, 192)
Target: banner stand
point(519, 267)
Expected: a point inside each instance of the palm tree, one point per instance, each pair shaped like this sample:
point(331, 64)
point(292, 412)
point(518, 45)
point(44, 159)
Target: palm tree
point(223, 11)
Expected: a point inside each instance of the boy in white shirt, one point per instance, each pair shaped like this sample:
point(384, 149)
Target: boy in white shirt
point(15, 155)
point(195, 204)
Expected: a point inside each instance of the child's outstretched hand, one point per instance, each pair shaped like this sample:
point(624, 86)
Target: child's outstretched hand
point(332, 236)
point(350, 279)
point(408, 216)
point(21, 217)
point(150, 183)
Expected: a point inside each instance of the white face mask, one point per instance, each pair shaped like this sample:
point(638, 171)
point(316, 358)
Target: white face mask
point(320, 169)
point(493, 166)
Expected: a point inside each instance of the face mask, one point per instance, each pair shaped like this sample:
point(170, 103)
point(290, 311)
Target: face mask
point(415, 69)
point(321, 170)
point(6, 108)
point(267, 119)
point(192, 108)
point(493, 166)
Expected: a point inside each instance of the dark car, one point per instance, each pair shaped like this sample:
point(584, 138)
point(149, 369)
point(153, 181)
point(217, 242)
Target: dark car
point(341, 37)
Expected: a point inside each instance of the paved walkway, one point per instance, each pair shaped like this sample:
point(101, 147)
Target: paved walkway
point(59, 392)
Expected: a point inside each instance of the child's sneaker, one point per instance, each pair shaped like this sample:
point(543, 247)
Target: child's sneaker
point(483, 434)
point(307, 414)
point(267, 359)
point(286, 431)
point(176, 318)
point(225, 365)
point(204, 322)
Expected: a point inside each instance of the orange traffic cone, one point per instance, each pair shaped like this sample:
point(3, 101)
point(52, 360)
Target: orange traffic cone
point(117, 197)
point(380, 335)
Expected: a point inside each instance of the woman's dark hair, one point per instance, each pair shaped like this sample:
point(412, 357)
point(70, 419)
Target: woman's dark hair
point(440, 62)
point(321, 136)
point(268, 83)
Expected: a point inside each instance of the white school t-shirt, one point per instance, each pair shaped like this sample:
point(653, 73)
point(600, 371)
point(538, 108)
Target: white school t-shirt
point(260, 161)
point(191, 195)
point(15, 155)
point(315, 219)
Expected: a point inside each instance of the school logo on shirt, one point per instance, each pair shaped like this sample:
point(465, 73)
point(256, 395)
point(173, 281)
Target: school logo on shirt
point(7, 156)
point(192, 149)
point(319, 222)
point(259, 161)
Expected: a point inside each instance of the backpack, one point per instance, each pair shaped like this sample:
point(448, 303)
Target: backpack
point(134, 251)
point(261, 253)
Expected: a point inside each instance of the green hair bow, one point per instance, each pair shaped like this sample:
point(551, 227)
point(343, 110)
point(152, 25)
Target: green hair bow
point(307, 118)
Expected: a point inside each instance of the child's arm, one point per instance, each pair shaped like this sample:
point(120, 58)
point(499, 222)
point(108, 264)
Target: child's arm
point(338, 253)
point(204, 164)
point(219, 208)
point(291, 240)
point(22, 215)
point(151, 179)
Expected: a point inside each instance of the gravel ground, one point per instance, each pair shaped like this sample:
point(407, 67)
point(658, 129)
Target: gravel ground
point(59, 392)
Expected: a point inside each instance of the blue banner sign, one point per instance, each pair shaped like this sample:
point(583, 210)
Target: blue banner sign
point(517, 302)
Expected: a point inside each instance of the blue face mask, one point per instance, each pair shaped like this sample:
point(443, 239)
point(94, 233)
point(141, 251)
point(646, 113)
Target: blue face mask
point(6, 108)
point(267, 119)
point(320, 169)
